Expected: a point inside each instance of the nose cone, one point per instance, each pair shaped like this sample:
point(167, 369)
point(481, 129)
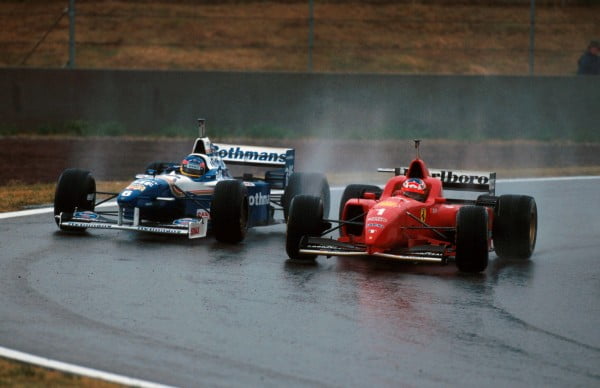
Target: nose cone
point(383, 223)
point(146, 189)
point(128, 196)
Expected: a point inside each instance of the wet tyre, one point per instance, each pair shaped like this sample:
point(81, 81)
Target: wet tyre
point(308, 183)
point(75, 190)
point(472, 239)
point(229, 211)
point(515, 226)
point(305, 219)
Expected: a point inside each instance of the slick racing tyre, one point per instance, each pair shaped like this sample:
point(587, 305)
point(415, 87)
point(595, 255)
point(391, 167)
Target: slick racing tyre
point(357, 191)
point(515, 226)
point(472, 239)
point(229, 211)
point(309, 183)
point(305, 219)
point(76, 189)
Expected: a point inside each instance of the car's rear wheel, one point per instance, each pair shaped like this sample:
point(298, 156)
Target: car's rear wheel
point(515, 226)
point(472, 239)
point(76, 189)
point(357, 191)
point(229, 211)
point(305, 219)
point(308, 183)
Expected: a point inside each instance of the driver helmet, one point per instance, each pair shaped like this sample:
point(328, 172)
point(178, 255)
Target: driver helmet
point(193, 166)
point(414, 188)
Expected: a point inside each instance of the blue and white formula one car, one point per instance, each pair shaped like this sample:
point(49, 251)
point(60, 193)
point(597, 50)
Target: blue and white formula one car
point(192, 197)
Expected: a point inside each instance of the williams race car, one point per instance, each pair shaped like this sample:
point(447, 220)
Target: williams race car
point(412, 220)
point(193, 197)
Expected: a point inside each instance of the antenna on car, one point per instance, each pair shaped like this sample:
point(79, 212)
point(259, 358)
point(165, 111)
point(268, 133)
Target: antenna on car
point(417, 144)
point(202, 127)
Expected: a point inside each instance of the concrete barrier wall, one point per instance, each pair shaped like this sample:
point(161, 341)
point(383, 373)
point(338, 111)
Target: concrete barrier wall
point(336, 105)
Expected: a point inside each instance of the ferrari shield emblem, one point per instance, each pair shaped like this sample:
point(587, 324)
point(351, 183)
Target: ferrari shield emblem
point(423, 215)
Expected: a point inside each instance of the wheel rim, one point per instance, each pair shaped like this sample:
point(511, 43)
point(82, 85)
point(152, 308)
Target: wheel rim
point(532, 228)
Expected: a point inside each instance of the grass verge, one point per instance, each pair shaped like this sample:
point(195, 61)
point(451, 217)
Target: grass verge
point(20, 374)
point(18, 196)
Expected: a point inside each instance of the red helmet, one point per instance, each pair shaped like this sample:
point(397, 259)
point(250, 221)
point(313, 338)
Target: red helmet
point(414, 188)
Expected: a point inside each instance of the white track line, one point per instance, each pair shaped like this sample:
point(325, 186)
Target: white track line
point(77, 370)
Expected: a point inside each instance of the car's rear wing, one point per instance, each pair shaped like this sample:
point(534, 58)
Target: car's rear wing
point(461, 180)
point(255, 155)
point(249, 155)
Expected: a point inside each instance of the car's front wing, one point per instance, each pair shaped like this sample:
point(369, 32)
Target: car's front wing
point(331, 247)
point(196, 228)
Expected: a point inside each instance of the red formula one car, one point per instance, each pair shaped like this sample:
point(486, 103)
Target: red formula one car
point(411, 219)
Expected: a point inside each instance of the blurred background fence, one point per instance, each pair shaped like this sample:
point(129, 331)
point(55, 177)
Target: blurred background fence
point(501, 37)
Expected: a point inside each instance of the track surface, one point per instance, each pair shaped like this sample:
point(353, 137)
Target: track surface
point(191, 313)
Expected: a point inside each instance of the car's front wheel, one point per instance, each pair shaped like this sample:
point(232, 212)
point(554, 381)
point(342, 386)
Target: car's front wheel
point(229, 211)
point(472, 239)
point(76, 189)
point(305, 219)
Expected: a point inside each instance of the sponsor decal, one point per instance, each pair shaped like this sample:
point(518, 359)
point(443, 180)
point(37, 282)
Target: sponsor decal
point(201, 213)
point(258, 199)
point(423, 214)
point(141, 184)
point(255, 154)
point(157, 230)
point(388, 204)
point(451, 177)
point(380, 226)
point(87, 225)
point(135, 186)
point(456, 177)
point(197, 229)
point(87, 215)
point(183, 221)
point(377, 219)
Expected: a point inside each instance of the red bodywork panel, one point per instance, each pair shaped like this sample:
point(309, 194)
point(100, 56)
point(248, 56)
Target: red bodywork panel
point(395, 221)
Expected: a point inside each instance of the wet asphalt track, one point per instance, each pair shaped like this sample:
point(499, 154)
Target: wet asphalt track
point(199, 313)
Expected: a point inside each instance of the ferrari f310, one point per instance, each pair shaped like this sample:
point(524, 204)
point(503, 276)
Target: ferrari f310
point(412, 219)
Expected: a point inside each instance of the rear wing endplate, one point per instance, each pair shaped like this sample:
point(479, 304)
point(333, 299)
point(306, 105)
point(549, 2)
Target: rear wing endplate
point(461, 180)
